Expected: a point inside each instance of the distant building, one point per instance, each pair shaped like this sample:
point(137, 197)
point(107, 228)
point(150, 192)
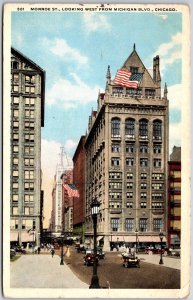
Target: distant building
point(126, 159)
point(174, 198)
point(27, 118)
point(67, 204)
point(79, 181)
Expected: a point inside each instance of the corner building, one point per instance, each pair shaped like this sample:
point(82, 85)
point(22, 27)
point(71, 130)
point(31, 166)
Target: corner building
point(126, 159)
point(27, 118)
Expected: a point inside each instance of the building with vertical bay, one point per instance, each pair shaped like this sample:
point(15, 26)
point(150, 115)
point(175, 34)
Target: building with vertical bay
point(27, 118)
point(126, 151)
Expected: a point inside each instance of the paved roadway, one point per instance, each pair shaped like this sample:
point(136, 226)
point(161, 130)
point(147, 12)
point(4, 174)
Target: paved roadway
point(42, 271)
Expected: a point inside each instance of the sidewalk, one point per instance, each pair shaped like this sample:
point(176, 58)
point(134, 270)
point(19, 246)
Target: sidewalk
point(42, 271)
point(169, 262)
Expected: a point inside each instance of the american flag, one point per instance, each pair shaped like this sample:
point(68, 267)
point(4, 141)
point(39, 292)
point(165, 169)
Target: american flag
point(122, 77)
point(125, 78)
point(71, 190)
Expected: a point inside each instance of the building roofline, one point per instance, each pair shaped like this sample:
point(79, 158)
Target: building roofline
point(41, 71)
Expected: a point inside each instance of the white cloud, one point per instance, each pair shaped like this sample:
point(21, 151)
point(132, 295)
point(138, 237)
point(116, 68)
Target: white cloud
point(175, 96)
point(62, 49)
point(163, 17)
point(174, 135)
point(69, 94)
point(70, 145)
point(94, 22)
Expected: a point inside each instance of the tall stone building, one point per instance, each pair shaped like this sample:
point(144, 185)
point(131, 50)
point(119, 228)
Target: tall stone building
point(27, 118)
point(126, 158)
point(79, 181)
point(174, 198)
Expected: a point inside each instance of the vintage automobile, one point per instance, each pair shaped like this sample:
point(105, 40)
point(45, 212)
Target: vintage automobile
point(100, 253)
point(130, 260)
point(88, 258)
point(152, 250)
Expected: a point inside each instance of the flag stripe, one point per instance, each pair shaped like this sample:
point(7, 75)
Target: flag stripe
point(71, 190)
point(125, 78)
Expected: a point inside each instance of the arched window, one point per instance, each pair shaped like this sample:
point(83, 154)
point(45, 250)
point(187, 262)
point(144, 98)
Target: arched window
point(143, 129)
point(157, 130)
point(115, 127)
point(130, 128)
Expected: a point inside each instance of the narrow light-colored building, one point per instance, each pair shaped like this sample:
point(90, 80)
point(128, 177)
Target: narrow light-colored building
point(126, 159)
point(27, 118)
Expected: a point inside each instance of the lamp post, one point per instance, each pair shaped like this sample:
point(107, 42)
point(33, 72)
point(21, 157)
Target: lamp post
point(136, 232)
point(161, 239)
point(62, 249)
point(94, 211)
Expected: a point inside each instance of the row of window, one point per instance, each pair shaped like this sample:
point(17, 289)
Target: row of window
point(130, 195)
point(132, 91)
point(27, 210)
point(26, 224)
point(130, 161)
point(28, 89)
point(130, 185)
point(130, 148)
point(118, 175)
point(27, 101)
point(28, 138)
point(28, 78)
point(27, 197)
point(130, 128)
point(130, 224)
point(28, 174)
point(154, 205)
point(28, 113)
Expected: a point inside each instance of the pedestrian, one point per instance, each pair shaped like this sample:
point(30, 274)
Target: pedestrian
point(52, 252)
point(38, 250)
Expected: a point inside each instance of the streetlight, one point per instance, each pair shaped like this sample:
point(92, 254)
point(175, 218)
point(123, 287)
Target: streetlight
point(62, 255)
point(161, 238)
point(94, 211)
point(136, 232)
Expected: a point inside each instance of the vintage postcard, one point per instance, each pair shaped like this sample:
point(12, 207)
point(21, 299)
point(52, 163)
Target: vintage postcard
point(96, 137)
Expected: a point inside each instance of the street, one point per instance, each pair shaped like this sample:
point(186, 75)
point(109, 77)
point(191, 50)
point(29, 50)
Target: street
point(148, 276)
point(43, 271)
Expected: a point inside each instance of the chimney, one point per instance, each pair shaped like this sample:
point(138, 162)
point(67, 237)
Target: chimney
point(156, 71)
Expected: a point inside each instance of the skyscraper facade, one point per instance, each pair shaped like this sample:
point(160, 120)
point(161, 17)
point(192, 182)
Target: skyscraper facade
point(126, 157)
point(27, 118)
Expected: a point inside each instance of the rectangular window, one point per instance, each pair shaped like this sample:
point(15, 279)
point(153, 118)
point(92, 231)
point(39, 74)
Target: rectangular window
point(16, 77)
point(29, 161)
point(16, 88)
point(129, 148)
point(143, 195)
point(129, 204)
point(157, 196)
point(157, 176)
point(129, 162)
point(16, 137)
point(143, 224)
point(129, 224)
point(115, 148)
point(157, 186)
point(29, 137)
point(157, 205)
point(129, 185)
point(115, 195)
point(30, 78)
point(29, 198)
point(29, 101)
point(16, 100)
point(115, 161)
point(15, 210)
point(29, 186)
point(149, 92)
point(29, 174)
point(15, 149)
point(143, 148)
point(14, 224)
point(157, 225)
point(29, 113)
point(15, 186)
point(134, 70)
point(115, 185)
point(157, 163)
point(16, 113)
point(27, 224)
point(115, 205)
point(143, 204)
point(114, 224)
point(15, 173)
point(143, 162)
point(15, 124)
point(15, 161)
point(157, 149)
point(143, 175)
point(143, 186)
point(115, 175)
point(28, 210)
point(129, 195)
point(15, 197)
point(29, 150)
point(129, 175)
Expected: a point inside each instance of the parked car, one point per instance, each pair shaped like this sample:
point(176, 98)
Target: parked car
point(89, 258)
point(20, 249)
point(174, 252)
point(130, 260)
point(152, 250)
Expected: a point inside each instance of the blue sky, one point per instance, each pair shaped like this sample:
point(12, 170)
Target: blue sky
point(75, 49)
